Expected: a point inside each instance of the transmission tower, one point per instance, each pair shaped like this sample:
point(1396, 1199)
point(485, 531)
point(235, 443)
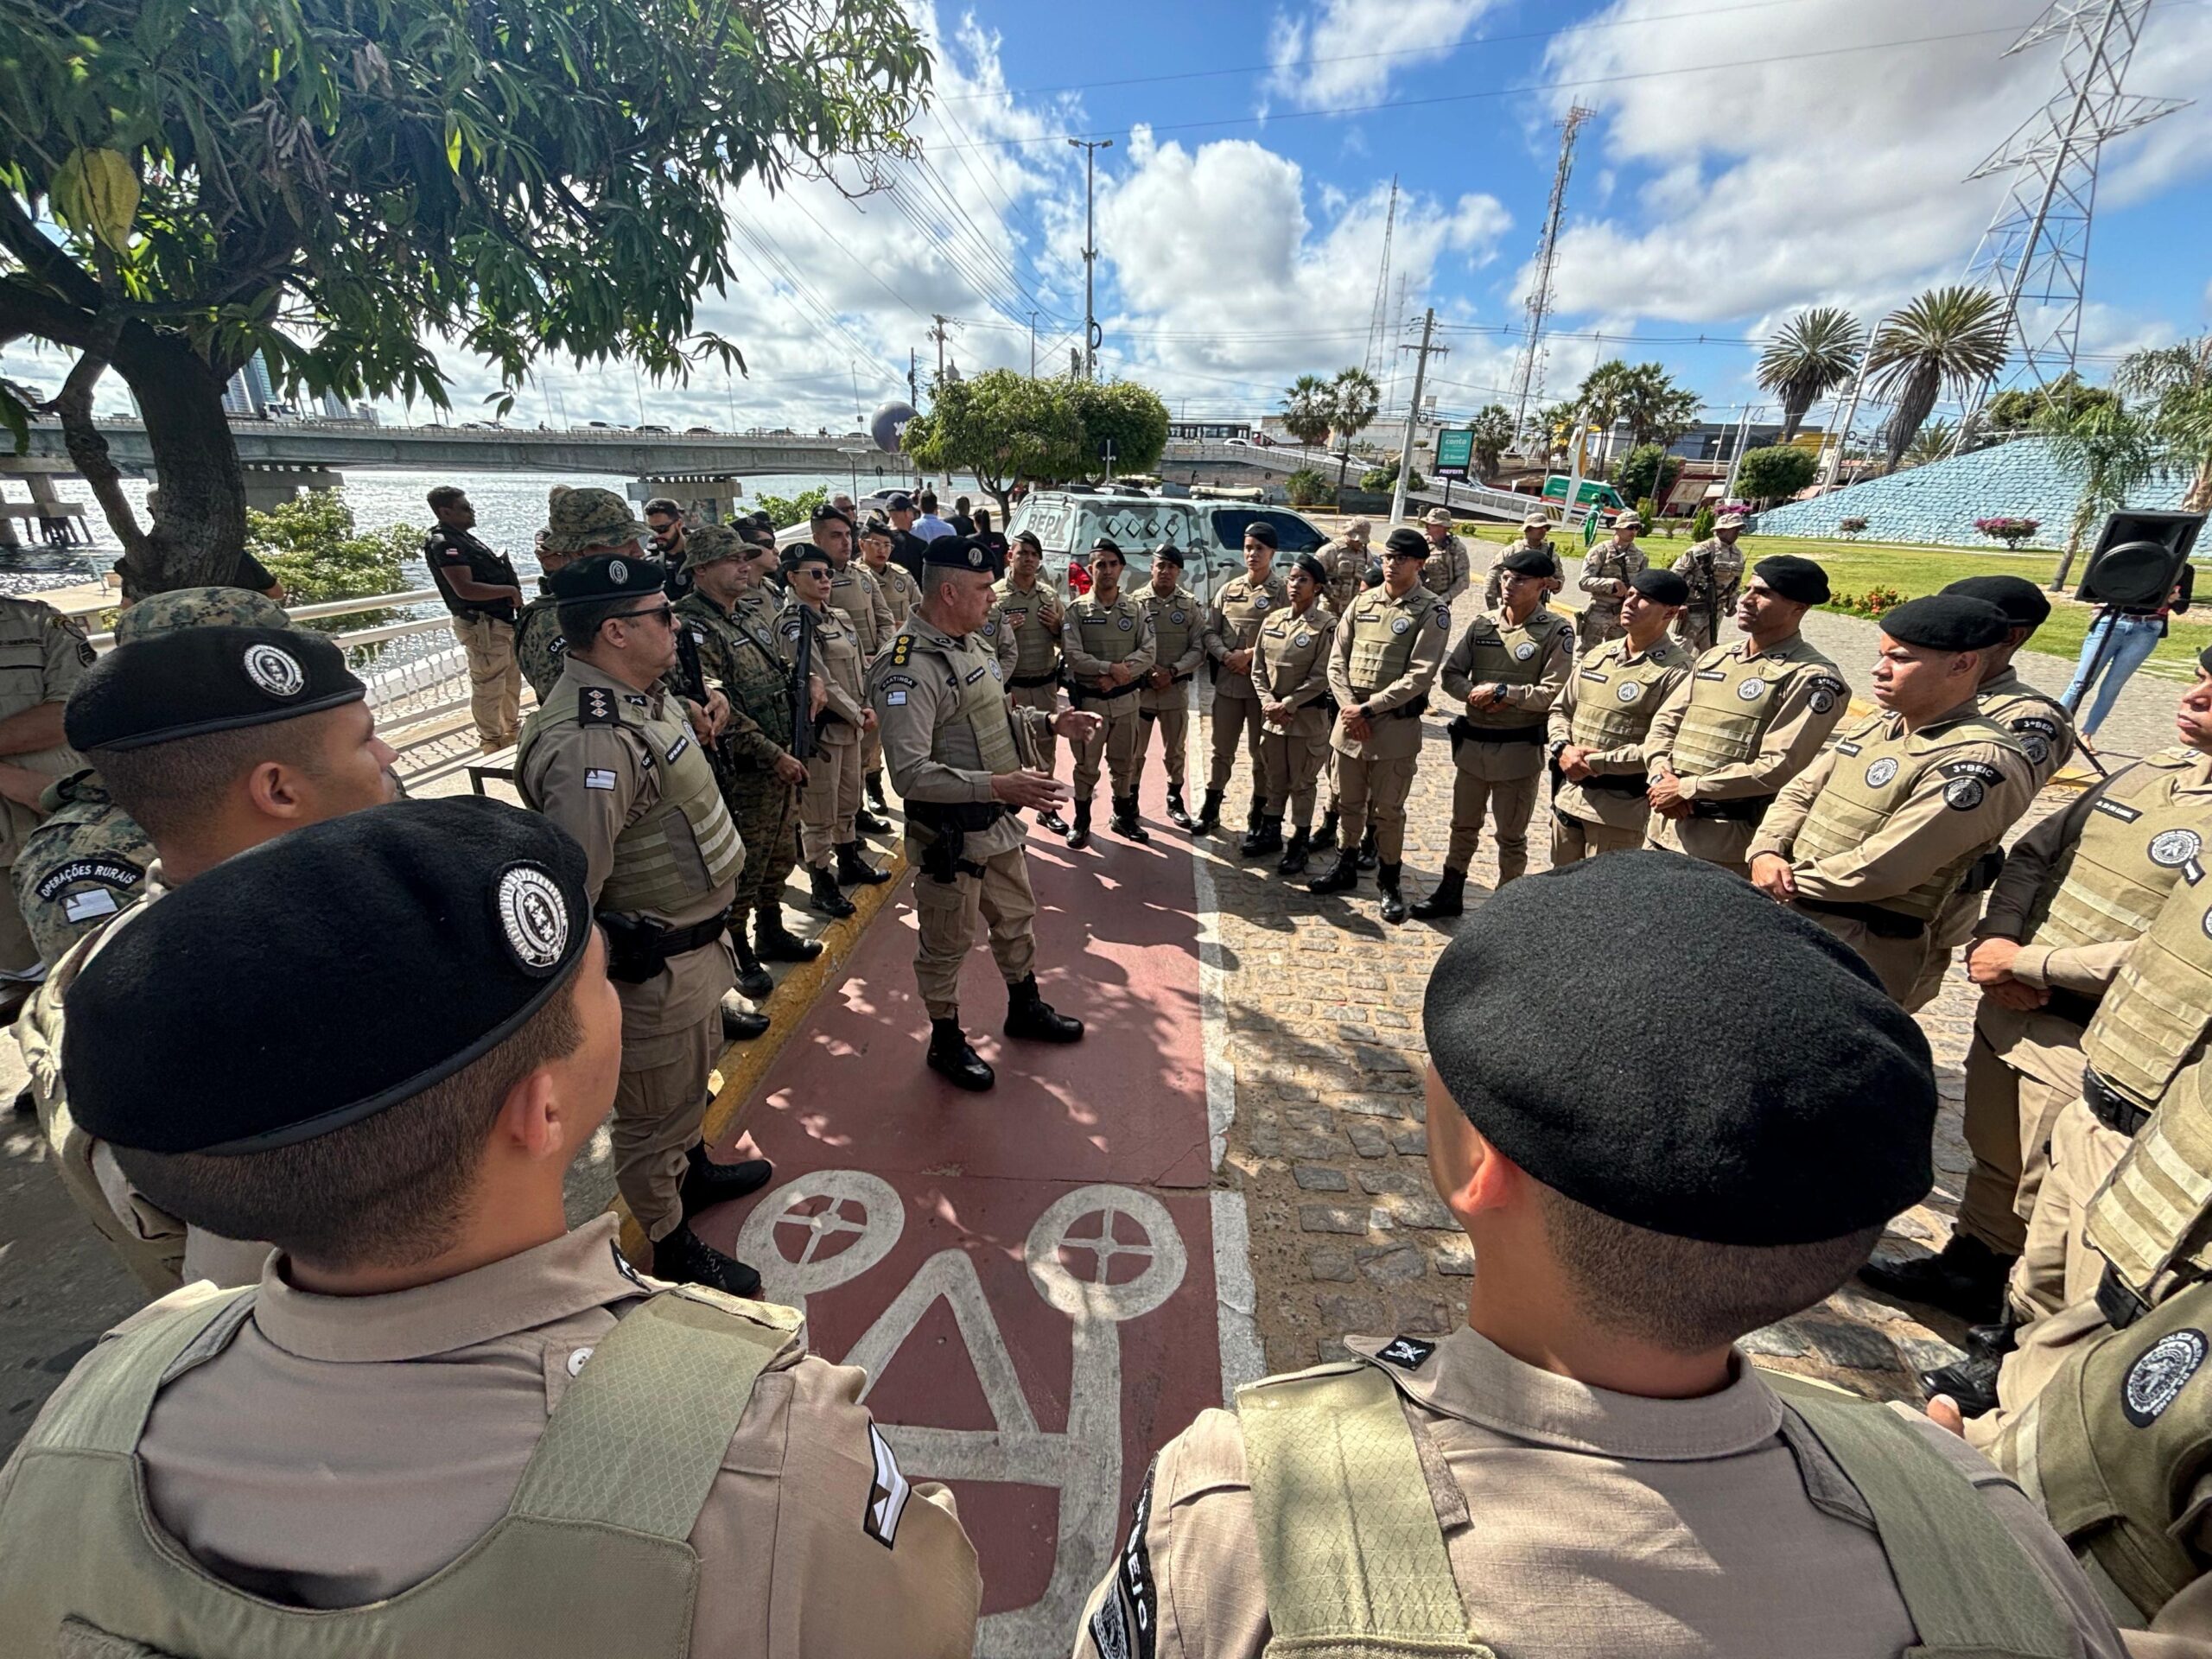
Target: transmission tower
point(1380, 357)
point(1540, 292)
point(2035, 251)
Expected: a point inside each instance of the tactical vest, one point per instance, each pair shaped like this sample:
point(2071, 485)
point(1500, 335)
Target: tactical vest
point(982, 696)
point(1175, 623)
point(2147, 1220)
point(1500, 653)
point(1381, 650)
point(1615, 700)
point(2041, 726)
point(1036, 648)
point(648, 874)
point(539, 649)
point(1874, 777)
point(2152, 1020)
point(2136, 839)
point(1731, 700)
point(1289, 644)
point(1352, 1549)
point(746, 660)
point(1108, 633)
point(849, 597)
point(591, 1557)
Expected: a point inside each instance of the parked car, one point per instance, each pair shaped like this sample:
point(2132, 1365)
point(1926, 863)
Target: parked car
point(1211, 533)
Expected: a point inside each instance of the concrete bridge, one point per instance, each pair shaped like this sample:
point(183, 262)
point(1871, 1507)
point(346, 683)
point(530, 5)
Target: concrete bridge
point(1279, 461)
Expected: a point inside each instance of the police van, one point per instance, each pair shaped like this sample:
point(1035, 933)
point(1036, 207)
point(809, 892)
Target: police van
point(1211, 533)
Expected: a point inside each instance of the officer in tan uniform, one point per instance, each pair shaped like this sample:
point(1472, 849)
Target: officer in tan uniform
point(1751, 716)
point(856, 595)
point(1589, 1467)
point(1535, 534)
point(1388, 651)
point(1873, 838)
point(900, 591)
point(1597, 725)
point(1508, 669)
point(1179, 646)
point(2075, 894)
point(1447, 569)
point(441, 1422)
point(615, 762)
point(1714, 571)
point(1290, 671)
point(1240, 609)
point(42, 656)
point(828, 838)
point(963, 758)
point(1346, 559)
point(1106, 643)
point(1024, 626)
point(1606, 569)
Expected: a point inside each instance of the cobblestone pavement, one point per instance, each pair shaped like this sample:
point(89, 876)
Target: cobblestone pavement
point(1322, 1005)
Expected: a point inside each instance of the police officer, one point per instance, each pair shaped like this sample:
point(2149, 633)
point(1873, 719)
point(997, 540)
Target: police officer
point(855, 595)
point(613, 759)
point(1714, 571)
point(1872, 839)
point(1606, 569)
point(1751, 716)
point(44, 654)
point(1507, 671)
point(481, 590)
point(537, 630)
point(962, 757)
point(1106, 642)
point(900, 591)
point(829, 839)
point(1290, 671)
point(214, 740)
point(439, 1412)
point(1024, 628)
point(905, 546)
point(1388, 650)
point(1164, 704)
point(670, 543)
point(2075, 894)
point(1448, 569)
point(88, 858)
point(1535, 534)
point(1346, 559)
point(1240, 608)
point(1597, 725)
point(1589, 1467)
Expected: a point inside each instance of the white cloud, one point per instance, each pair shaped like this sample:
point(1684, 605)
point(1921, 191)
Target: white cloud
point(1344, 51)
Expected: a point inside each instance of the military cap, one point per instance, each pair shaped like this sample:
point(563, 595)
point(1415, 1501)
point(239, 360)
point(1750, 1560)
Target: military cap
point(2024, 604)
point(800, 553)
point(712, 544)
point(1794, 578)
point(1261, 531)
point(1662, 585)
point(1528, 562)
point(483, 900)
point(1313, 566)
point(1769, 1093)
point(1946, 622)
point(1106, 544)
point(829, 510)
point(1407, 541)
point(606, 576)
point(586, 519)
point(1359, 527)
point(2204, 659)
point(1170, 552)
point(876, 525)
point(966, 553)
point(198, 608)
point(1729, 521)
point(901, 503)
point(1630, 520)
point(201, 680)
point(1437, 516)
point(663, 504)
point(1536, 520)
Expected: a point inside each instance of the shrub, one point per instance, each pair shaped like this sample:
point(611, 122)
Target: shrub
point(1873, 602)
point(1771, 474)
point(1308, 487)
point(2010, 531)
point(1850, 526)
point(1701, 526)
point(310, 545)
point(1380, 481)
point(784, 511)
point(1647, 470)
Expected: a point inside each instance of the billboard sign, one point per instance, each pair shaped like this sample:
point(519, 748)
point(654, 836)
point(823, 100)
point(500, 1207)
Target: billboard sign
point(1455, 452)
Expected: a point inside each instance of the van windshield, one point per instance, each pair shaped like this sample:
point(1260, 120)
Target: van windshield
point(1072, 523)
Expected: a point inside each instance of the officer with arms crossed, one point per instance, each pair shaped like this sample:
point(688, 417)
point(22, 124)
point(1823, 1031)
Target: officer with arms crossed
point(1507, 671)
point(1714, 571)
point(481, 590)
point(1599, 724)
point(1024, 628)
point(962, 759)
point(1447, 569)
point(1590, 1466)
point(1290, 671)
point(1241, 607)
point(1164, 704)
point(612, 759)
point(1873, 838)
point(1751, 716)
point(1106, 642)
point(441, 1422)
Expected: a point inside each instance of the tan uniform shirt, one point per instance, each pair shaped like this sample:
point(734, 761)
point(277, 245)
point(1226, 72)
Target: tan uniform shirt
point(837, 664)
point(1494, 584)
point(2040, 725)
point(342, 1449)
point(856, 595)
point(1447, 569)
point(1632, 679)
point(1604, 1526)
point(1806, 709)
point(1182, 610)
point(1393, 737)
point(900, 591)
point(1240, 609)
point(929, 746)
point(1018, 612)
point(1291, 662)
point(1346, 562)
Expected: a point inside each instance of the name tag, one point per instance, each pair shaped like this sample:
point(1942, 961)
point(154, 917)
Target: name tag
point(682, 744)
point(2119, 810)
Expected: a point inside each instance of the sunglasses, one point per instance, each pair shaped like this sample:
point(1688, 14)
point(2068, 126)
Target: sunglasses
point(663, 613)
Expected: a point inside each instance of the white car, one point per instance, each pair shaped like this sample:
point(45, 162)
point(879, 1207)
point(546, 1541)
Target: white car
point(1211, 533)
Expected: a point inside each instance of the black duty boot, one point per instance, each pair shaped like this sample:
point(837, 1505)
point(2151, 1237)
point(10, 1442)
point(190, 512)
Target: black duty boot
point(952, 1058)
point(740, 1023)
point(1294, 855)
point(1264, 837)
point(1972, 1383)
point(1447, 898)
point(1178, 814)
point(1369, 858)
point(1030, 1015)
point(827, 900)
point(1254, 815)
point(1209, 818)
point(684, 1258)
point(1053, 822)
point(707, 1183)
point(1340, 877)
point(1996, 1340)
point(777, 943)
point(854, 871)
point(875, 793)
point(1126, 821)
point(752, 978)
point(869, 824)
point(1325, 834)
point(1079, 833)
point(1394, 902)
point(1967, 1279)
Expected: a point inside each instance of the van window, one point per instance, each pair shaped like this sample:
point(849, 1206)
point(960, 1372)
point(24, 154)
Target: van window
point(1293, 534)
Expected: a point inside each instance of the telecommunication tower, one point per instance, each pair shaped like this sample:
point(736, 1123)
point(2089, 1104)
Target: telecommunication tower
point(1380, 357)
point(1540, 292)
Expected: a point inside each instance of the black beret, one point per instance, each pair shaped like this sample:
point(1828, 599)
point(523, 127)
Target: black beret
point(1107, 544)
point(1170, 552)
point(800, 553)
point(604, 576)
point(1407, 541)
point(1023, 538)
point(2204, 659)
point(201, 680)
point(962, 553)
point(1762, 1089)
point(829, 510)
point(1313, 566)
point(1661, 586)
point(1261, 531)
point(1946, 622)
point(1528, 562)
point(477, 911)
point(1794, 578)
point(2024, 604)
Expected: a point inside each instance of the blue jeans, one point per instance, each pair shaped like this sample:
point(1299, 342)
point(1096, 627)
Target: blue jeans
point(2136, 638)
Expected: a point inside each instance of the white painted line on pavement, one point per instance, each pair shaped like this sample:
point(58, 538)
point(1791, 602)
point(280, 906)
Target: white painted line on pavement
point(1235, 1297)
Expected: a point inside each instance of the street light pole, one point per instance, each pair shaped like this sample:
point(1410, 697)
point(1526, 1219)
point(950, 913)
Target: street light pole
point(1092, 338)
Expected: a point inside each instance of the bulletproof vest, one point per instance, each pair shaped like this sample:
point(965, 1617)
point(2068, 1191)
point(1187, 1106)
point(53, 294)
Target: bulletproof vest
point(2148, 1220)
point(494, 569)
point(1108, 633)
point(836, 660)
point(981, 707)
point(1288, 645)
point(2041, 726)
point(1175, 623)
point(1383, 633)
point(2115, 1442)
point(1347, 573)
point(1353, 1548)
point(1036, 648)
point(1608, 559)
point(1614, 700)
point(2136, 839)
point(539, 649)
point(1245, 609)
point(746, 660)
point(1875, 773)
point(849, 597)
point(1731, 700)
point(1501, 654)
point(648, 873)
point(1444, 565)
point(2152, 1020)
point(591, 1557)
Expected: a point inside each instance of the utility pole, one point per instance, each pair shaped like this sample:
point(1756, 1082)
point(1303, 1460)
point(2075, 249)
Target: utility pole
point(1834, 470)
point(1092, 337)
point(1413, 410)
point(1033, 345)
point(914, 389)
point(937, 334)
point(1736, 466)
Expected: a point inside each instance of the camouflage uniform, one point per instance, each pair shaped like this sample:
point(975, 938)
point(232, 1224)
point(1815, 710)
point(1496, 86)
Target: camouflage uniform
point(739, 653)
point(539, 648)
point(1714, 571)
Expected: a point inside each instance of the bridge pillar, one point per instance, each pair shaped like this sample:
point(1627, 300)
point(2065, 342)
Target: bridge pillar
point(708, 497)
point(270, 486)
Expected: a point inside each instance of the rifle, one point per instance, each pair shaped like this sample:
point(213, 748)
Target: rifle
point(802, 746)
point(694, 679)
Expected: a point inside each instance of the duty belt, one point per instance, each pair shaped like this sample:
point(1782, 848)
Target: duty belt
point(1403, 711)
point(2120, 1305)
point(2109, 1107)
point(1881, 923)
point(1079, 694)
point(1031, 682)
point(637, 947)
point(2070, 1005)
point(1612, 782)
point(971, 815)
point(1744, 809)
point(1466, 731)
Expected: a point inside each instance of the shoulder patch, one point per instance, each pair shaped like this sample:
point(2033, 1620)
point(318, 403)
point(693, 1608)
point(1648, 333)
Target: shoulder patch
point(1978, 770)
point(1407, 1353)
point(117, 872)
point(598, 706)
point(2155, 1379)
point(888, 1492)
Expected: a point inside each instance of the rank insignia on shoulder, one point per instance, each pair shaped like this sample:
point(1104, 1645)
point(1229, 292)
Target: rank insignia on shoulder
point(597, 707)
point(1407, 1353)
point(904, 648)
point(888, 1492)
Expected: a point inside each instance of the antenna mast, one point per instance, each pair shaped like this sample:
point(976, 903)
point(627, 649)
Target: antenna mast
point(1540, 292)
point(1381, 336)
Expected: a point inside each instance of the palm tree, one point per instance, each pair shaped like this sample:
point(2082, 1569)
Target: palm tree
point(1949, 336)
point(1354, 399)
point(1657, 409)
point(1815, 351)
point(1932, 442)
point(2112, 450)
point(2178, 382)
point(1492, 429)
point(1598, 400)
point(1555, 427)
point(1308, 412)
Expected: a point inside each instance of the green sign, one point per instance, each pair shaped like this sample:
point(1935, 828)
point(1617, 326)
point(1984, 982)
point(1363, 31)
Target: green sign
point(1455, 452)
